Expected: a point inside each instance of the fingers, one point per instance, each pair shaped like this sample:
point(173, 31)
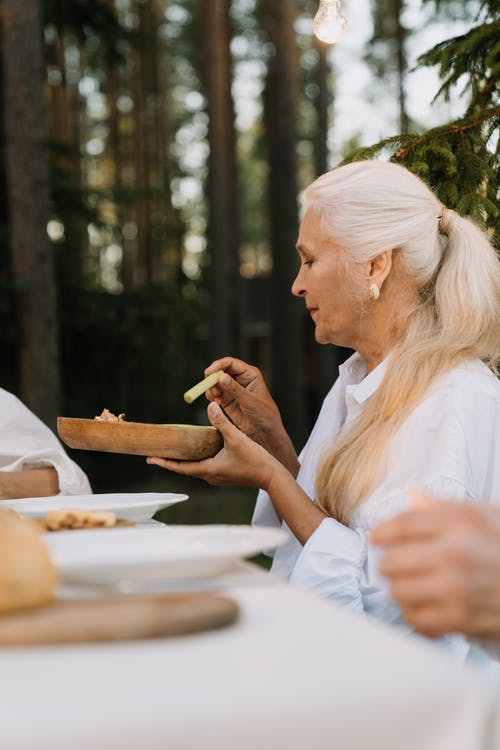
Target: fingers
point(433, 619)
point(433, 599)
point(416, 524)
point(405, 527)
point(407, 559)
point(219, 420)
point(232, 396)
point(238, 369)
point(187, 468)
point(231, 391)
point(433, 587)
point(228, 364)
point(221, 393)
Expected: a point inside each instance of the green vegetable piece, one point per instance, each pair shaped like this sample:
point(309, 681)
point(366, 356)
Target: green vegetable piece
point(202, 386)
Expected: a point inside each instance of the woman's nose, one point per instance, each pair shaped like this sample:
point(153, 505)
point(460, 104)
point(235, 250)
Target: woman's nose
point(298, 285)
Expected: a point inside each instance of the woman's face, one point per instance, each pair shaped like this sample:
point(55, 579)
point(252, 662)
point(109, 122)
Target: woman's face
point(322, 281)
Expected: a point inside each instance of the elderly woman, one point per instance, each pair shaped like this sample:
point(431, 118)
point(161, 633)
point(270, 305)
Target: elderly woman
point(414, 289)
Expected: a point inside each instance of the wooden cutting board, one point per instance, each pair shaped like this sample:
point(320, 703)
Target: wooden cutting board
point(117, 618)
point(185, 442)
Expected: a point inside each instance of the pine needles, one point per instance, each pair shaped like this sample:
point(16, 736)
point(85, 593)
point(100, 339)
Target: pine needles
point(460, 160)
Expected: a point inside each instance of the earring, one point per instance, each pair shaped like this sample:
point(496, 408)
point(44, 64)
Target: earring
point(374, 292)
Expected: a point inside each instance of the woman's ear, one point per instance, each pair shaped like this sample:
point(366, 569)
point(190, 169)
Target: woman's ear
point(380, 268)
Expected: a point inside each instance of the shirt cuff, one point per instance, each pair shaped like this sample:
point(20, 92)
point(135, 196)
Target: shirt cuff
point(331, 563)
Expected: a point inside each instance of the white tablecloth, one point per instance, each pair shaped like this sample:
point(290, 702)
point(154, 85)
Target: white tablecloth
point(295, 673)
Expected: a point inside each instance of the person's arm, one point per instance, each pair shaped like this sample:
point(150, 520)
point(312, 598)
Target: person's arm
point(27, 444)
point(443, 563)
point(42, 482)
point(243, 462)
point(335, 561)
point(244, 396)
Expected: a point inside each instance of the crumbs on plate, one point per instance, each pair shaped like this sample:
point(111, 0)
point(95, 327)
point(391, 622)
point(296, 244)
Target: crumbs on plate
point(76, 518)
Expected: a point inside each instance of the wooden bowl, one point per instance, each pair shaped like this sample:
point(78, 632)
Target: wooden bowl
point(178, 441)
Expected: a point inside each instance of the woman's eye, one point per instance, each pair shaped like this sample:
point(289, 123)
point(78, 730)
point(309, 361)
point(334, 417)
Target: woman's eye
point(307, 263)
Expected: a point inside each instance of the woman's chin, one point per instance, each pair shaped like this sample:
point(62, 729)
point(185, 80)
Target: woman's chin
point(324, 338)
point(321, 338)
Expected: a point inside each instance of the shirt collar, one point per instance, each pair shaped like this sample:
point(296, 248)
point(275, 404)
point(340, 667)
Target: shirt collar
point(359, 385)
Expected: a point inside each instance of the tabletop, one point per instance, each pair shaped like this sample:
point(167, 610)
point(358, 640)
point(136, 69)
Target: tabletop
point(294, 672)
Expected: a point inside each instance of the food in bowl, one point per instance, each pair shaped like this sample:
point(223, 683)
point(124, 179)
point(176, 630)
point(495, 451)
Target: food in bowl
point(108, 416)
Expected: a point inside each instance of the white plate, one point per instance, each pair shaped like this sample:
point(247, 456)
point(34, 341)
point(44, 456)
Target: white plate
point(137, 506)
point(155, 552)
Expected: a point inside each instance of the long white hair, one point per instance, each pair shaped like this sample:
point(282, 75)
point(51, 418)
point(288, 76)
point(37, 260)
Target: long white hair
point(371, 206)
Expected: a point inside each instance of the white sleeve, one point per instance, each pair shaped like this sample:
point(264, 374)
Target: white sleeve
point(340, 564)
point(27, 443)
point(332, 563)
point(264, 513)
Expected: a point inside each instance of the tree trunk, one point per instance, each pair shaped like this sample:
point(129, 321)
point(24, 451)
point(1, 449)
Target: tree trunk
point(222, 185)
point(328, 356)
point(64, 127)
point(140, 272)
point(401, 64)
point(322, 105)
point(29, 206)
point(387, 51)
point(166, 222)
point(280, 117)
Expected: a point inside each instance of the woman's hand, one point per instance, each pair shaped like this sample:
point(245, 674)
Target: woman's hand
point(244, 396)
point(241, 461)
point(443, 563)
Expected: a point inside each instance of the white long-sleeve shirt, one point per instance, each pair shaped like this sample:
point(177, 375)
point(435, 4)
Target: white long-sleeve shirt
point(27, 443)
point(448, 446)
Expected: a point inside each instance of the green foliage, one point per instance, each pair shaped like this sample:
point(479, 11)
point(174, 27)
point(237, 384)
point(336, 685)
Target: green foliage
point(455, 161)
point(460, 159)
point(474, 56)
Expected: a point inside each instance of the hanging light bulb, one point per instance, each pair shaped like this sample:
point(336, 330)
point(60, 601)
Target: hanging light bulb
point(330, 22)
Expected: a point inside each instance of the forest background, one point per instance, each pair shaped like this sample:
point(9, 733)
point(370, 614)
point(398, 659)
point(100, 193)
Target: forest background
point(152, 156)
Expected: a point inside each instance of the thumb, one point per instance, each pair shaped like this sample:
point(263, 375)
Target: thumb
point(219, 420)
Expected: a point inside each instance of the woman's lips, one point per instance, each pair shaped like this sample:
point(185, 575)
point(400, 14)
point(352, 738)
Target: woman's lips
point(312, 310)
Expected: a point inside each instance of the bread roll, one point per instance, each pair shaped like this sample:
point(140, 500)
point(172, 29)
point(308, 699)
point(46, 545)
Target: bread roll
point(27, 575)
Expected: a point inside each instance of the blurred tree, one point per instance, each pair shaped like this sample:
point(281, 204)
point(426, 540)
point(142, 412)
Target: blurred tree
point(155, 216)
point(222, 186)
point(323, 101)
point(81, 39)
point(386, 52)
point(329, 357)
point(280, 117)
point(29, 207)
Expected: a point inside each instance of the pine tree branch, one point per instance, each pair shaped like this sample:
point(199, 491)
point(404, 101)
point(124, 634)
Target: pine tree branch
point(459, 126)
